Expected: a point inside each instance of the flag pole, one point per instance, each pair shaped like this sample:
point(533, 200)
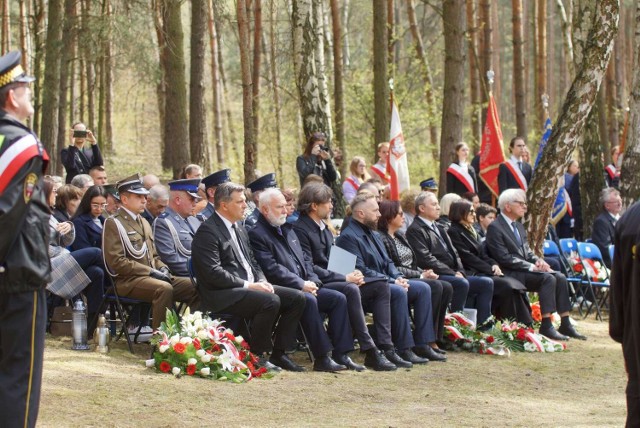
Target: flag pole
point(545, 105)
point(490, 76)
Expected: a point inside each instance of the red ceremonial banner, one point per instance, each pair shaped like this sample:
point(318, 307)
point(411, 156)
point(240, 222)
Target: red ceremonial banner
point(491, 151)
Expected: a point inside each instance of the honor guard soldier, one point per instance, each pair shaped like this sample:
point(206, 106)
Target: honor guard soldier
point(211, 182)
point(131, 258)
point(257, 186)
point(175, 228)
point(24, 245)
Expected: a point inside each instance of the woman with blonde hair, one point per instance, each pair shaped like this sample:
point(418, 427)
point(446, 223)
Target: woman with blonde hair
point(359, 175)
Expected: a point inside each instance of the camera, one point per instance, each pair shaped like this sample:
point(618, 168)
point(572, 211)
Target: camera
point(79, 134)
point(326, 149)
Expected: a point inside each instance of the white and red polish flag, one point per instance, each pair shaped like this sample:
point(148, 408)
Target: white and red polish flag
point(397, 166)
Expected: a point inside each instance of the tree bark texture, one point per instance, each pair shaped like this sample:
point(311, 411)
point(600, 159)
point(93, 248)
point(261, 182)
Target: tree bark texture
point(275, 83)
point(257, 58)
point(338, 85)
point(51, 90)
point(380, 73)
point(198, 142)
point(216, 87)
point(453, 101)
point(6, 27)
point(250, 144)
point(519, 82)
point(109, 59)
point(541, 62)
point(569, 126)
point(176, 128)
point(474, 72)
point(161, 85)
point(486, 48)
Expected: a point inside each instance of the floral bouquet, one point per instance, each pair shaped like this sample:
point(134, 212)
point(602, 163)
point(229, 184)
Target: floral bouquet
point(196, 345)
point(574, 261)
point(502, 339)
point(595, 271)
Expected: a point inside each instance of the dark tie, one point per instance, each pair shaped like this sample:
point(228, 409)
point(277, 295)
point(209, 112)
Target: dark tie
point(520, 165)
point(279, 229)
point(240, 246)
point(437, 232)
point(515, 232)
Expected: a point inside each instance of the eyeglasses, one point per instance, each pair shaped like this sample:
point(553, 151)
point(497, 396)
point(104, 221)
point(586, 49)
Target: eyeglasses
point(521, 203)
point(98, 205)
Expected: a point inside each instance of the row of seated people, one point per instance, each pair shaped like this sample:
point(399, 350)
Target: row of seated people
point(237, 273)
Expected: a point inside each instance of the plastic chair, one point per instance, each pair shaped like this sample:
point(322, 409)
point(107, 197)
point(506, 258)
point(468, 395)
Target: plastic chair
point(590, 254)
point(568, 254)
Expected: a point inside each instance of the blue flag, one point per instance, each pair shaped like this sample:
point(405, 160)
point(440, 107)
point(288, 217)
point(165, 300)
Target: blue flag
point(545, 137)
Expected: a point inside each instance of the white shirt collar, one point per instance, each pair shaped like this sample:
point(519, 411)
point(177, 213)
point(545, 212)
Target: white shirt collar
point(515, 159)
point(507, 219)
point(427, 222)
point(133, 216)
point(226, 222)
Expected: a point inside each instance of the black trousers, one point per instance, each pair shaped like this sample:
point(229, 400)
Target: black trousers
point(509, 302)
point(552, 289)
point(441, 296)
point(263, 309)
point(376, 298)
point(23, 318)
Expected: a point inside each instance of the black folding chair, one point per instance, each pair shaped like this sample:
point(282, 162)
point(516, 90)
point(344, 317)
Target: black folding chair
point(599, 287)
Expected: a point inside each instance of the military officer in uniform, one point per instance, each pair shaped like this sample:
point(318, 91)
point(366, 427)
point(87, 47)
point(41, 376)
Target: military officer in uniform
point(24, 244)
point(211, 182)
point(130, 256)
point(175, 228)
point(257, 186)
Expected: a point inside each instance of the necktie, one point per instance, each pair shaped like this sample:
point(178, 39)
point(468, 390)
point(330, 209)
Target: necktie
point(520, 165)
point(243, 254)
point(437, 232)
point(515, 232)
point(279, 231)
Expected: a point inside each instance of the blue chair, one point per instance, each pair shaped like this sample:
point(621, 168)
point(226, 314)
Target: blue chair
point(569, 251)
point(550, 248)
point(590, 254)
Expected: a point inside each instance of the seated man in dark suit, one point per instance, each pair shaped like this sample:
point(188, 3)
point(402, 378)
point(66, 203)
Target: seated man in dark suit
point(515, 173)
point(230, 281)
point(314, 205)
point(603, 230)
point(360, 238)
point(278, 251)
point(507, 244)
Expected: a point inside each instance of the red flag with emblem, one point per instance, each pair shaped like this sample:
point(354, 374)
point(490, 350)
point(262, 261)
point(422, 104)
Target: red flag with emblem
point(491, 152)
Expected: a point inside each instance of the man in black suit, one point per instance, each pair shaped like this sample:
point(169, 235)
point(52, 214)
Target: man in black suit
point(624, 323)
point(314, 205)
point(231, 281)
point(278, 251)
point(603, 230)
point(507, 244)
point(515, 173)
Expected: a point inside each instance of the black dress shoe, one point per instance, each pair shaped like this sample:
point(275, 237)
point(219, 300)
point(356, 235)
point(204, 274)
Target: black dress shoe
point(376, 360)
point(264, 362)
point(429, 353)
point(345, 360)
point(571, 332)
point(552, 334)
point(326, 364)
point(409, 355)
point(440, 351)
point(283, 361)
point(396, 359)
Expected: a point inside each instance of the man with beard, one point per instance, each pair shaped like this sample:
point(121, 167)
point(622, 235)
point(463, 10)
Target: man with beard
point(278, 251)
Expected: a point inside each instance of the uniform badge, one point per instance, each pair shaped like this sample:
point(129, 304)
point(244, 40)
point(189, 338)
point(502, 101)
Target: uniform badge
point(29, 185)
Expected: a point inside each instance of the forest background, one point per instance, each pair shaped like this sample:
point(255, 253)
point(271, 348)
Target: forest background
point(241, 84)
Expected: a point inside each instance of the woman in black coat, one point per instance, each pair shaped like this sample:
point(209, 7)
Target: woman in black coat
point(509, 295)
point(88, 219)
point(401, 254)
point(461, 176)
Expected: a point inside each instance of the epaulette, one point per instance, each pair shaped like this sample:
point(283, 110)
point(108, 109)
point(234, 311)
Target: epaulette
point(163, 215)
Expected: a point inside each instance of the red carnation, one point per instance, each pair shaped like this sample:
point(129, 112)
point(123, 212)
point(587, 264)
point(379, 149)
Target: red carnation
point(215, 348)
point(490, 339)
point(179, 348)
point(165, 367)
point(242, 355)
point(245, 345)
point(254, 357)
point(191, 369)
point(196, 343)
point(251, 366)
point(521, 334)
point(230, 336)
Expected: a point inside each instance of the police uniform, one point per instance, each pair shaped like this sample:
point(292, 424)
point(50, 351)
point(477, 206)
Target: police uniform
point(213, 181)
point(267, 181)
point(173, 233)
point(429, 185)
point(24, 259)
point(130, 256)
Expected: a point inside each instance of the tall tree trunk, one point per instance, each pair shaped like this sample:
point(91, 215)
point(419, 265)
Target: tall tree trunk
point(275, 87)
point(380, 74)
point(391, 35)
point(250, 144)
point(426, 73)
point(226, 105)
point(568, 128)
point(319, 58)
point(38, 32)
point(474, 73)
point(612, 111)
point(313, 108)
point(629, 180)
point(161, 85)
point(567, 41)
point(486, 48)
point(197, 114)
point(65, 71)
point(216, 87)
point(454, 20)
point(338, 84)
point(23, 32)
point(541, 61)
point(6, 27)
point(88, 55)
point(176, 123)
point(345, 20)
point(108, 66)
point(519, 89)
point(257, 57)
point(51, 91)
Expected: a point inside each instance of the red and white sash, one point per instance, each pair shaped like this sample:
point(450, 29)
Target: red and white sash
point(462, 174)
point(611, 170)
point(16, 156)
point(353, 182)
point(380, 171)
point(517, 173)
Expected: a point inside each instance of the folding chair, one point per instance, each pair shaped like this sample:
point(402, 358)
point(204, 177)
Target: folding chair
point(569, 250)
point(590, 254)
